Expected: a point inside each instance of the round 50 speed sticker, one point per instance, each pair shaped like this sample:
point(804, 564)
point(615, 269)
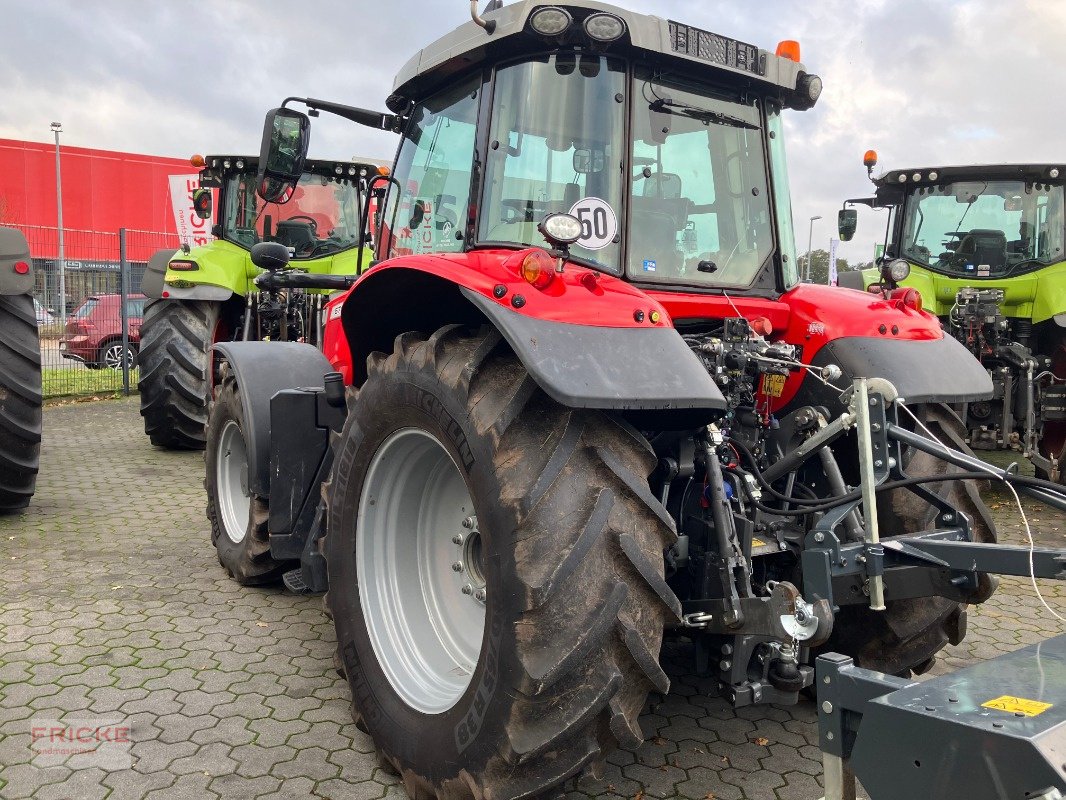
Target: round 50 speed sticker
point(599, 225)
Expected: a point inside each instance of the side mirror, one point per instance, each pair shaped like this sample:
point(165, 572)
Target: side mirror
point(201, 203)
point(847, 221)
point(271, 256)
point(286, 138)
point(587, 161)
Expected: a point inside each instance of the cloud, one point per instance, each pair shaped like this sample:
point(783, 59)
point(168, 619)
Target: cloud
point(923, 83)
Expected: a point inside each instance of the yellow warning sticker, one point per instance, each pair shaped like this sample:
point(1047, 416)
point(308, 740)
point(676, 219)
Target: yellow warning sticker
point(773, 385)
point(1017, 705)
point(757, 543)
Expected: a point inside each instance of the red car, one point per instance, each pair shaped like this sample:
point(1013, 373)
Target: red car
point(94, 331)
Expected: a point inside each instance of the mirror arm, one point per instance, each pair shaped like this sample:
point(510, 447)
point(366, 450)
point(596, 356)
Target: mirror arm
point(372, 119)
point(863, 201)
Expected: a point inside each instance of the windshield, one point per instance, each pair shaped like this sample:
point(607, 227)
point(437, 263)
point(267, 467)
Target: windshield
point(700, 206)
point(984, 228)
point(556, 145)
point(321, 218)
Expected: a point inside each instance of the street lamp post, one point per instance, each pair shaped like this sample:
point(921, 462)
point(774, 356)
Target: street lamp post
point(57, 128)
point(810, 242)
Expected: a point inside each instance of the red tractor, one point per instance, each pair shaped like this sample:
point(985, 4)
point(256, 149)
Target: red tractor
point(581, 398)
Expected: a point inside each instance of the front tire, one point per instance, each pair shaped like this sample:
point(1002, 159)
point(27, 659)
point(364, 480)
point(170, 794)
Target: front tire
point(175, 360)
point(20, 402)
point(238, 517)
point(510, 698)
point(907, 636)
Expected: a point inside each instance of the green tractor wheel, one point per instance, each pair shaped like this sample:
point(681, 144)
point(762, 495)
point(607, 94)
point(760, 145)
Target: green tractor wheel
point(175, 361)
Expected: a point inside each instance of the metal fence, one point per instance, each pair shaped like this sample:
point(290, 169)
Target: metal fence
point(89, 305)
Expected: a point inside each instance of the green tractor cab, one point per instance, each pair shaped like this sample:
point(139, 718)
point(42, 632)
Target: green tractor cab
point(985, 246)
point(207, 293)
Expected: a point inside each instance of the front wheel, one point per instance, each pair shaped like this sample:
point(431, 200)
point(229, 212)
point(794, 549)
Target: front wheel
point(20, 401)
point(496, 572)
point(176, 361)
point(237, 515)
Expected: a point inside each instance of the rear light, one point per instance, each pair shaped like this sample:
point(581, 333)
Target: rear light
point(907, 298)
point(538, 269)
point(22, 268)
point(184, 266)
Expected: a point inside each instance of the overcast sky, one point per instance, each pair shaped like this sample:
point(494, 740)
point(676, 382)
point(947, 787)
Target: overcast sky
point(925, 82)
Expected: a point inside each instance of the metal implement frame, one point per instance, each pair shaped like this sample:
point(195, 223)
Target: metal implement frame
point(943, 561)
point(988, 731)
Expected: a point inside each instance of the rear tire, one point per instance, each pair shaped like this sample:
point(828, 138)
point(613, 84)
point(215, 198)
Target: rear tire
point(570, 542)
point(20, 402)
point(175, 360)
point(907, 636)
point(238, 517)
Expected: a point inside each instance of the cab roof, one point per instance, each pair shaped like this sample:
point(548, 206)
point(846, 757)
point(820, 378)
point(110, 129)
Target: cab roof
point(701, 53)
point(932, 176)
point(315, 165)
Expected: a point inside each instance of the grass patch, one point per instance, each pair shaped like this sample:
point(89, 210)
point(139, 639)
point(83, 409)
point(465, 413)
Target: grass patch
point(66, 381)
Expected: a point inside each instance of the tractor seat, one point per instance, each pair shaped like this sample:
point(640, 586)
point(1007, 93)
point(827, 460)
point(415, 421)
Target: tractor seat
point(657, 252)
point(984, 246)
point(295, 234)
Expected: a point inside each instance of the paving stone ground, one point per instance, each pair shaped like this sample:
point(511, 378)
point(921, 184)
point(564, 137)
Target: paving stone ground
point(114, 607)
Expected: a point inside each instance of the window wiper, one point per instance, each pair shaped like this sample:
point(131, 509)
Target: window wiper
point(668, 106)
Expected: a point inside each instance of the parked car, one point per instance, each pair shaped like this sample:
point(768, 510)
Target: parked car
point(45, 316)
point(94, 331)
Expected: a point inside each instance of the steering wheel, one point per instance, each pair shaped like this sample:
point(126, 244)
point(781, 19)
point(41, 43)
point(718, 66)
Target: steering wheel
point(310, 220)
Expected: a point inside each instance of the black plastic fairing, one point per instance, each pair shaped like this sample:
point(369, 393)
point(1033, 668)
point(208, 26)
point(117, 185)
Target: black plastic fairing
point(922, 371)
point(262, 370)
point(587, 366)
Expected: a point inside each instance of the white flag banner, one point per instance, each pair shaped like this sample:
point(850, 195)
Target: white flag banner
point(833, 261)
point(191, 229)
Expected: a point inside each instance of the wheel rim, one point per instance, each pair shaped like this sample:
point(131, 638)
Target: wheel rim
point(420, 569)
point(113, 357)
point(231, 472)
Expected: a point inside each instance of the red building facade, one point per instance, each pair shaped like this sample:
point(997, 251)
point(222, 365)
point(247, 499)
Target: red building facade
point(103, 191)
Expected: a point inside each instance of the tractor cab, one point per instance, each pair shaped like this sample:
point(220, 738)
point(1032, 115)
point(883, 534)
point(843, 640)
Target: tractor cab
point(319, 215)
point(985, 248)
point(974, 222)
point(664, 142)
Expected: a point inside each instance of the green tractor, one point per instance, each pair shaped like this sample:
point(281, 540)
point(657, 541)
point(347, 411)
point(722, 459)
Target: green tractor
point(984, 247)
point(202, 295)
point(20, 374)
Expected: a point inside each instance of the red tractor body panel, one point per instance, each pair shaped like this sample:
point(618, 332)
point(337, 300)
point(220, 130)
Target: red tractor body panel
point(808, 316)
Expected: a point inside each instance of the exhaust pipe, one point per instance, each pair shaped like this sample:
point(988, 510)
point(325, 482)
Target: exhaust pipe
point(488, 24)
